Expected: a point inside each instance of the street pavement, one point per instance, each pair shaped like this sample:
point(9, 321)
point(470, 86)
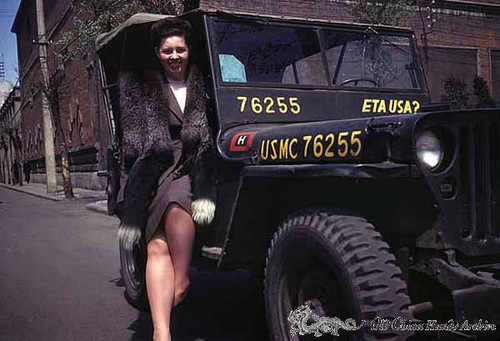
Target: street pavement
point(59, 280)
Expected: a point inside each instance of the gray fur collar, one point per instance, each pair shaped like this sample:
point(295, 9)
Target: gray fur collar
point(144, 114)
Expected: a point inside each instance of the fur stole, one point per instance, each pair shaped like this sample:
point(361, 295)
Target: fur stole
point(147, 149)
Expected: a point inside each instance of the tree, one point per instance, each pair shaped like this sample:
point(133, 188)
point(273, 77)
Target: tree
point(93, 17)
point(455, 92)
point(3, 146)
point(15, 137)
point(4, 164)
point(385, 12)
point(175, 7)
point(482, 93)
point(52, 90)
point(10, 135)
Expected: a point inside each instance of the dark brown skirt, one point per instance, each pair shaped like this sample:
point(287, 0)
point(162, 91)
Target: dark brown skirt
point(170, 191)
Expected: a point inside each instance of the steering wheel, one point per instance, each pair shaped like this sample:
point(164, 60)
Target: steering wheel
point(357, 80)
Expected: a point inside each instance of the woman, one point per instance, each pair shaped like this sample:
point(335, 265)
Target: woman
point(166, 140)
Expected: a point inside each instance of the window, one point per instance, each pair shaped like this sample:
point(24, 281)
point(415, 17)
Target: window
point(232, 69)
point(495, 74)
point(442, 62)
point(268, 54)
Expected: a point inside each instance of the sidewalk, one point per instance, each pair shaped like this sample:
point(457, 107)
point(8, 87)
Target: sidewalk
point(40, 190)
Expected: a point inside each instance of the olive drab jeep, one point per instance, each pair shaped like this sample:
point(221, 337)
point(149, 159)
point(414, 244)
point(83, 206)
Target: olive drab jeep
point(338, 181)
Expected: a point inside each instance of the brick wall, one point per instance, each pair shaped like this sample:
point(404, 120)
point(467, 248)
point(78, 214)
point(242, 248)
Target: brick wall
point(332, 9)
point(474, 31)
point(55, 12)
point(27, 32)
point(31, 114)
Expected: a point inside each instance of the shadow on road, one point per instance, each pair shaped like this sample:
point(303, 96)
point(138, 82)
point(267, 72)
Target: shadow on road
point(142, 327)
point(220, 306)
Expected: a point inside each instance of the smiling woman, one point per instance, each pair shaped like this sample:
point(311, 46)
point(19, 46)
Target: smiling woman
point(166, 150)
point(173, 54)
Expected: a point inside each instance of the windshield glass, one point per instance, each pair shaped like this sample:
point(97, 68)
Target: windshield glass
point(270, 53)
point(370, 59)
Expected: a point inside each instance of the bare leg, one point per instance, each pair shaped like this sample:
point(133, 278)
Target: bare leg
point(167, 269)
point(160, 285)
point(180, 231)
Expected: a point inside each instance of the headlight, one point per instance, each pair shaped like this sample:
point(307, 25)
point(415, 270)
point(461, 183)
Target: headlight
point(429, 150)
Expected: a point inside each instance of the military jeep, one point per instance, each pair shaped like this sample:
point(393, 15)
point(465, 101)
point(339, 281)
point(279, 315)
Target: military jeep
point(338, 181)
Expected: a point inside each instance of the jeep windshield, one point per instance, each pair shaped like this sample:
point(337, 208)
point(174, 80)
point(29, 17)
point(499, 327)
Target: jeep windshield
point(290, 55)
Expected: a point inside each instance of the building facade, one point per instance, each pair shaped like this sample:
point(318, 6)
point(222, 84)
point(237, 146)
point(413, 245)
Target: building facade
point(78, 89)
point(455, 37)
point(11, 152)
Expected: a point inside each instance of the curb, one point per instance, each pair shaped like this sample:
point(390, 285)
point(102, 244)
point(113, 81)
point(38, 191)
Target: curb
point(98, 206)
point(43, 196)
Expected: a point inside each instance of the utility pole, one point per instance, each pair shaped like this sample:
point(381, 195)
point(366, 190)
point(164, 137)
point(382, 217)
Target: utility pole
point(48, 130)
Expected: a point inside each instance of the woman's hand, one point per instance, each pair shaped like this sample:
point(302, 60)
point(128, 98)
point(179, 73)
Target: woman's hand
point(203, 211)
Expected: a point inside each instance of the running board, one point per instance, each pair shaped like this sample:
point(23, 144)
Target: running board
point(211, 252)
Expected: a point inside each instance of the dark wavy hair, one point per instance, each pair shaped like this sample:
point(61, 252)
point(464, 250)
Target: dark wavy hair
point(169, 27)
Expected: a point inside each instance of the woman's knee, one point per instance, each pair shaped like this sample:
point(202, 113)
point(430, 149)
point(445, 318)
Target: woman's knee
point(175, 211)
point(157, 247)
point(176, 217)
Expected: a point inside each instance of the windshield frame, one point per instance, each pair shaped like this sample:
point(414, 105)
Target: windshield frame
point(319, 28)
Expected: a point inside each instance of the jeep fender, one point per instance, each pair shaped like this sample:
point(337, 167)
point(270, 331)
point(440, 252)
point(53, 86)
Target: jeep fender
point(389, 194)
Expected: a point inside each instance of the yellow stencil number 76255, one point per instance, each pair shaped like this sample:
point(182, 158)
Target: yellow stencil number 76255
point(269, 105)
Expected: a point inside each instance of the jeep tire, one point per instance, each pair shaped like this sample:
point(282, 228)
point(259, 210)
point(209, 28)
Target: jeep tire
point(133, 272)
point(338, 264)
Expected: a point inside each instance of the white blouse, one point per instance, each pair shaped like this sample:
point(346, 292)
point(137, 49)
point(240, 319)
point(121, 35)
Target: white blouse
point(179, 89)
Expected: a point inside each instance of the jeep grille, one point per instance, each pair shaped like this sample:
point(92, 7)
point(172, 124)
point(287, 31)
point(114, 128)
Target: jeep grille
point(479, 183)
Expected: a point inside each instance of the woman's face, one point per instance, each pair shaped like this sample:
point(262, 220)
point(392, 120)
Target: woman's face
point(174, 56)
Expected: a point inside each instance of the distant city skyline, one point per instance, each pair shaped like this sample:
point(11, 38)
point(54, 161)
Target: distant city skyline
point(8, 44)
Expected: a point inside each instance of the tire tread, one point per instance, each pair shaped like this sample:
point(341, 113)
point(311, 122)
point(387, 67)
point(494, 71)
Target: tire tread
point(380, 288)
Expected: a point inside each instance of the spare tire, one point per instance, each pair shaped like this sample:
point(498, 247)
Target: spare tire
point(133, 272)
